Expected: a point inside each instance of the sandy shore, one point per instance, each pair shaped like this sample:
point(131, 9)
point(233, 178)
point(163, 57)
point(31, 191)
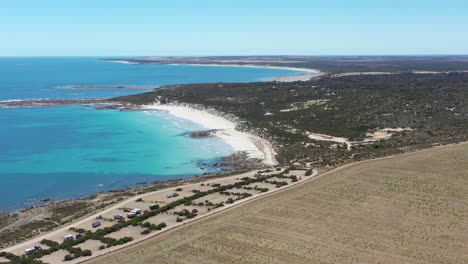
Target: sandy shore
point(254, 146)
point(304, 74)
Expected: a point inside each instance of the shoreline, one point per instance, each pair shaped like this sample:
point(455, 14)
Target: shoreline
point(254, 146)
point(304, 74)
point(259, 151)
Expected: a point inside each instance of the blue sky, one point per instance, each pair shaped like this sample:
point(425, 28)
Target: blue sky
point(237, 27)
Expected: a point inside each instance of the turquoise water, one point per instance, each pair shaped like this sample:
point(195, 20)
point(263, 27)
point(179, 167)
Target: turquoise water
point(22, 78)
point(64, 152)
point(74, 151)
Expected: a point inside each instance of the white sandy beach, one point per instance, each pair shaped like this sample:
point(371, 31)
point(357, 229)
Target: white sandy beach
point(254, 146)
point(304, 74)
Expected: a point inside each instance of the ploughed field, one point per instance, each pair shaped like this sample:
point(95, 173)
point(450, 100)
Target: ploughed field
point(405, 209)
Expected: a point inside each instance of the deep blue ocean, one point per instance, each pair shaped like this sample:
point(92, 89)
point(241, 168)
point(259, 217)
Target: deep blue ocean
point(74, 151)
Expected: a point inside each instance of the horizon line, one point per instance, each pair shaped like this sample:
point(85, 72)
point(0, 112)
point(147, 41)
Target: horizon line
point(252, 55)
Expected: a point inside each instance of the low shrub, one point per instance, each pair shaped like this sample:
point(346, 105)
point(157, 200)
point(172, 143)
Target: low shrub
point(145, 232)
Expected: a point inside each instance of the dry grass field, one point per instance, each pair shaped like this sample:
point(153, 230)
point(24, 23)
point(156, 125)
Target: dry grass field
point(405, 209)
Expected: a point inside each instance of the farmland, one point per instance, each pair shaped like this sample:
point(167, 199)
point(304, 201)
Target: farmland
point(404, 209)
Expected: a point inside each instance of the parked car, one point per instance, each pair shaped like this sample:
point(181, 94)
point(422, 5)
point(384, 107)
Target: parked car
point(29, 251)
point(96, 224)
point(131, 215)
point(136, 211)
point(79, 236)
point(154, 207)
point(172, 195)
point(119, 217)
point(68, 238)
